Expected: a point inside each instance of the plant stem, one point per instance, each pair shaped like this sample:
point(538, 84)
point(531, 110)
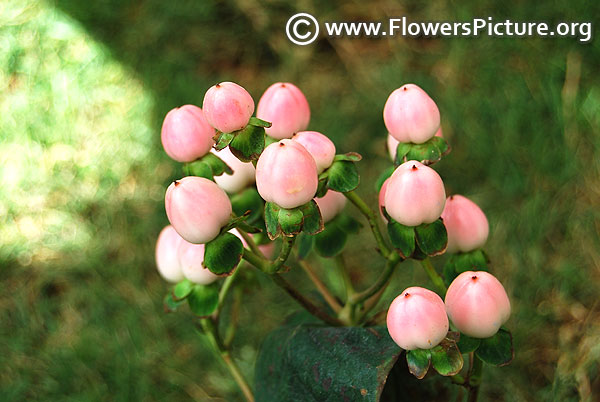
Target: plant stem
point(255, 259)
point(372, 219)
point(227, 283)
point(434, 276)
point(211, 332)
point(382, 281)
point(341, 265)
point(251, 243)
point(474, 379)
point(321, 287)
point(286, 249)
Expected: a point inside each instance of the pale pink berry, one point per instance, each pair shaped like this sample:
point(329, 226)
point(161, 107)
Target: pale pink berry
point(410, 115)
point(243, 172)
point(415, 194)
point(417, 319)
point(228, 107)
point(331, 204)
point(286, 174)
point(286, 107)
point(319, 146)
point(392, 143)
point(439, 133)
point(197, 208)
point(465, 223)
point(186, 135)
point(477, 304)
point(267, 249)
point(191, 257)
point(382, 191)
point(167, 259)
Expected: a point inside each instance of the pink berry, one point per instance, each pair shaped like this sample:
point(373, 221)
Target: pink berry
point(197, 208)
point(186, 135)
point(331, 204)
point(243, 172)
point(286, 107)
point(477, 304)
point(167, 260)
point(382, 198)
point(417, 319)
point(410, 115)
point(465, 223)
point(415, 194)
point(191, 257)
point(228, 107)
point(319, 146)
point(286, 174)
point(392, 143)
point(439, 133)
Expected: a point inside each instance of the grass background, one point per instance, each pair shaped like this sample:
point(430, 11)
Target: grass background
point(83, 90)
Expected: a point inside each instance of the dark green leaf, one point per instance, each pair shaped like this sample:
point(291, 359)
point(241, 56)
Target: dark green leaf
point(418, 362)
point(350, 156)
point(313, 221)
point(446, 359)
point(182, 289)
point(222, 140)
point(402, 238)
point(305, 244)
point(170, 304)
point(248, 200)
point(272, 220)
point(204, 299)
point(343, 176)
point(432, 237)
point(331, 241)
point(310, 363)
point(347, 223)
point(255, 121)
point(466, 344)
point(497, 350)
point(223, 254)
point(290, 221)
point(198, 168)
point(248, 143)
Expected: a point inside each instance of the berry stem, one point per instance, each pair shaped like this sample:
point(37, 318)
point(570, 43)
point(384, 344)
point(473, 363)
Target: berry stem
point(321, 287)
point(286, 248)
point(251, 243)
point(434, 276)
point(341, 265)
point(372, 219)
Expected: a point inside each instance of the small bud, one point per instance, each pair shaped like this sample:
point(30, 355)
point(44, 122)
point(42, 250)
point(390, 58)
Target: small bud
point(331, 204)
point(197, 208)
point(410, 115)
point(228, 107)
point(477, 304)
point(319, 146)
point(417, 319)
point(191, 257)
point(243, 173)
point(286, 174)
point(465, 223)
point(415, 194)
point(186, 135)
point(286, 107)
point(167, 260)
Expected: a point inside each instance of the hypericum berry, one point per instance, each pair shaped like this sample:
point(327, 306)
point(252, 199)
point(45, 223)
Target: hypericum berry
point(191, 257)
point(392, 143)
point(319, 146)
point(286, 174)
point(197, 208)
point(382, 191)
point(415, 194)
point(167, 259)
point(331, 204)
point(186, 135)
point(286, 107)
point(417, 319)
point(477, 304)
point(243, 172)
point(410, 115)
point(228, 107)
point(465, 223)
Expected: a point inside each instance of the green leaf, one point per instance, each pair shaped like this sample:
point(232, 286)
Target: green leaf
point(350, 156)
point(418, 362)
point(248, 143)
point(343, 176)
point(313, 221)
point(248, 200)
point(272, 220)
point(347, 223)
point(446, 359)
point(204, 299)
point(170, 304)
point(182, 289)
point(497, 350)
point(305, 244)
point(331, 241)
point(466, 344)
point(222, 140)
point(402, 238)
point(311, 363)
point(432, 237)
point(255, 121)
point(290, 221)
point(322, 189)
point(223, 254)
point(217, 165)
point(198, 168)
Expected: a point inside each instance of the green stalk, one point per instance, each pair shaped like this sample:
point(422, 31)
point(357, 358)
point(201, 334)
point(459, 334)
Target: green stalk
point(434, 276)
point(372, 219)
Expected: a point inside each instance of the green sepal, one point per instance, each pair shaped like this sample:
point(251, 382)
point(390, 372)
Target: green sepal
point(418, 361)
point(272, 220)
point(248, 200)
point(432, 238)
point(290, 221)
point(467, 344)
point(402, 238)
point(442, 145)
point(248, 143)
point(216, 164)
point(222, 140)
point(342, 176)
point(182, 289)
point(312, 222)
point(475, 260)
point(497, 350)
point(350, 157)
point(223, 254)
point(427, 153)
point(204, 299)
point(171, 305)
point(446, 358)
point(255, 121)
point(322, 188)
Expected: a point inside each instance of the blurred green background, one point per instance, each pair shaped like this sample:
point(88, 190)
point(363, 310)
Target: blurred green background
point(84, 88)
